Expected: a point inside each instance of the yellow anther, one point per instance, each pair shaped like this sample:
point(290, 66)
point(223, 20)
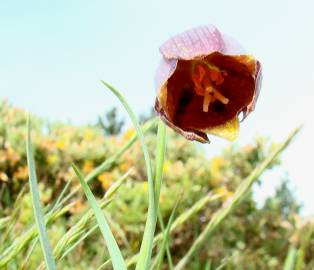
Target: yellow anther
point(205, 77)
point(210, 95)
point(220, 97)
point(206, 101)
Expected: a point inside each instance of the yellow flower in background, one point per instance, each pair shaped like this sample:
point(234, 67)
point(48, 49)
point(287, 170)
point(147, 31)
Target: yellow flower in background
point(12, 156)
point(52, 159)
point(88, 166)
point(77, 207)
point(106, 179)
point(145, 186)
point(89, 135)
point(248, 148)
point(214, 182)
point(216, 166)
point(128, 134)
point(124, 166)
point(113, 140)
point(166, 166)
point(21, 173)
point(60, 144)
point(3, 177)
point(48, 144)
point(223, 192)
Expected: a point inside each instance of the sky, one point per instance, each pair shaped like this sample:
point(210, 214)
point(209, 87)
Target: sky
point(53, 55)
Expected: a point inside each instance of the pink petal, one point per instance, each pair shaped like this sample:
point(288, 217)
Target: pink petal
point(195, 43)
point(192, 44)
point(164, 72)
point(231, 46)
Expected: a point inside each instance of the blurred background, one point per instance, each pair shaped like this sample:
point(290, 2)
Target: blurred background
point(54, 54)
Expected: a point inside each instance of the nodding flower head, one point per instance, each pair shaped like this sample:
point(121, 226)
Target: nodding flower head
point(204, 82)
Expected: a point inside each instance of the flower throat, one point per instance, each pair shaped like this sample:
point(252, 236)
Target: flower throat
point(206, 78)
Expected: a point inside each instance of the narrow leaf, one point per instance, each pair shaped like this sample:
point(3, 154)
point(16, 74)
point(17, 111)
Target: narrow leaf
point(180, 220)
point(147, 241)
point(290, 259)
point(114, 251)
point(39, 217)
point(238, 196)
point(165, 241)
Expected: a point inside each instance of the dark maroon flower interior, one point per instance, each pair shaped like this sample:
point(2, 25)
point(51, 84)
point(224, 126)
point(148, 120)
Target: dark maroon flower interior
point(185, 107)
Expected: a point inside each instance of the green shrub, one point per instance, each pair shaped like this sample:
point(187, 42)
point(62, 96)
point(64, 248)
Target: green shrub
point(250, 238)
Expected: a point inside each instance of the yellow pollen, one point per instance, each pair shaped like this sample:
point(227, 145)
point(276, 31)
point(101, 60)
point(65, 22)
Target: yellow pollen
point(210, 95)
point(205, 77)
point(206, 101)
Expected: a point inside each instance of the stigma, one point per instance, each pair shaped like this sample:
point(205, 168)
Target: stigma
point(206, 78)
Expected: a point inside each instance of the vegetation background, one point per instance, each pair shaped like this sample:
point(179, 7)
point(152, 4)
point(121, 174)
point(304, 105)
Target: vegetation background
point(253, 237)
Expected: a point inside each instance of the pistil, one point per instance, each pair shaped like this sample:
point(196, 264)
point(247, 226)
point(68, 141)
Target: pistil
point(204, 80)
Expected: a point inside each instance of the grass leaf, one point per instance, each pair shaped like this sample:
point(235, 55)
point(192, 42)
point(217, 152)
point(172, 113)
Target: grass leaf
point(78, 232)
point(180, 220)
point(160, 157)
point(110, 161)
point(165, 241)
point(39, 217)
point(113, 248)
point(147, 241)
point(23, 241)
point(290, 259)
point(239, 194)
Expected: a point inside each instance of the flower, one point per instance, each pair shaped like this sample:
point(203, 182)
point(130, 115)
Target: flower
point(106, 179)
point(88, 166)
point(204, 82)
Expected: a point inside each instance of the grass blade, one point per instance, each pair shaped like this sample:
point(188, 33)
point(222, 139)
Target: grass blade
point(21, 242)
point(39, 217)
point(160, 157)
point(240, 193)
point(147, 241)
point(9, 227)
point(165, 241)
point(290, 259)
point(82, 238)
point(29, 253)
point(169, 258)
point(306, 235)
point(113, 248)
point(110, 161)
point(81, 229)
point(60, 197)
point(4, 221)
point(180, 220)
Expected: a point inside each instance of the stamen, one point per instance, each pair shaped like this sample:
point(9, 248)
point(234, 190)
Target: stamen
point(204, 80)
point(206, 101)
point(220, 97)
point(210, 95)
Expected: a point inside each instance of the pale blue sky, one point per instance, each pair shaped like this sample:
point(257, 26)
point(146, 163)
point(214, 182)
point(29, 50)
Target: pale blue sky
point(53, 55)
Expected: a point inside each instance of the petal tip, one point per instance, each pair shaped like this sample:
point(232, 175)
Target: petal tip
point(191, 135)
